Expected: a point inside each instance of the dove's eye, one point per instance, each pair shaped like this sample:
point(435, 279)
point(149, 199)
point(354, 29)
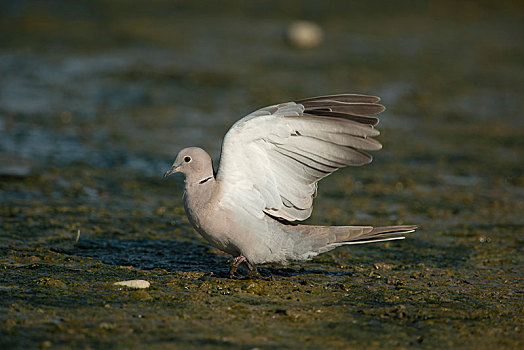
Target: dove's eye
point(187, 159)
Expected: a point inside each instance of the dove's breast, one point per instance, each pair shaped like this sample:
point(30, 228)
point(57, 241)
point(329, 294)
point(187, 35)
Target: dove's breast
point(230, 228)
point(207, 218)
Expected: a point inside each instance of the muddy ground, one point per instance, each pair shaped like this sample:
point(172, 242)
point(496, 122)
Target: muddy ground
point(96, 98)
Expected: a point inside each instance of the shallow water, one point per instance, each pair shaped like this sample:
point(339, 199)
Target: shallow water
point(96, 98)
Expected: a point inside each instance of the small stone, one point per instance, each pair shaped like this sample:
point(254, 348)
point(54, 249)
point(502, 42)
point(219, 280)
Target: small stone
point(304, 34)
point(137, 284)
point(107, 326)
point(45, 344)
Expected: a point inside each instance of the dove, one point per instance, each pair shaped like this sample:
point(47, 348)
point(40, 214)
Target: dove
point(270, 164)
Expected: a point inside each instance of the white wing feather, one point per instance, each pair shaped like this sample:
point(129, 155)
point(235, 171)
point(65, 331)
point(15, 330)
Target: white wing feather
point(273, 158)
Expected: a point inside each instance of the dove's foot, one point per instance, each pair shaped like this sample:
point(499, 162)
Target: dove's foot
point(235, 264)
point(253, 273)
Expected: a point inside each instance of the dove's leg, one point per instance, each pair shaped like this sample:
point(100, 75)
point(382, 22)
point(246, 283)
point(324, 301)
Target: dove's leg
point(235, 264)
point(253, 273)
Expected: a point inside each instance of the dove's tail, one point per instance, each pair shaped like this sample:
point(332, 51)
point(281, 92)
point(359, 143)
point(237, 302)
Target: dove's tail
point(367, 234)
point(313, 240)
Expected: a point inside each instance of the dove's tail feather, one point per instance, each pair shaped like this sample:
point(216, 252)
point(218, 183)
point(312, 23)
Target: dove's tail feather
point(313, 240)
point(378, 234)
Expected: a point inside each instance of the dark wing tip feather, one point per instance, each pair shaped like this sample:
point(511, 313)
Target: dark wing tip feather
point(348, 98)
point(359, 108)
point(357, 118)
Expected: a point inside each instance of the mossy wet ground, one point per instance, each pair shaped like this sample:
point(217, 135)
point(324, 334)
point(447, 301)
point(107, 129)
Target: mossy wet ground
point(90, 122)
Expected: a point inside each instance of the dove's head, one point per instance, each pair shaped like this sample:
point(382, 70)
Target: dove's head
point(194, 163)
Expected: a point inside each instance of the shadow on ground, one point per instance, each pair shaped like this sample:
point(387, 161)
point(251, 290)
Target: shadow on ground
point(172, 256)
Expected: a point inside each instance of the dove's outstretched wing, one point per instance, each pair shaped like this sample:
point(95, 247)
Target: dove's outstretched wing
point(273, 158)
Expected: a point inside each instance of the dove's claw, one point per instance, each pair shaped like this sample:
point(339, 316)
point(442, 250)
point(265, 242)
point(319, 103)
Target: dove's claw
point(253, 273)
point(235, 263)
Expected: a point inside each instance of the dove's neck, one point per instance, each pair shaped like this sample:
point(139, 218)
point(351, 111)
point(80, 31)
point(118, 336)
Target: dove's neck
point(198, 192)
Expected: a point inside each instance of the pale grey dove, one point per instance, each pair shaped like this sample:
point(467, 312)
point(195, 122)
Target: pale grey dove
point(267, 178)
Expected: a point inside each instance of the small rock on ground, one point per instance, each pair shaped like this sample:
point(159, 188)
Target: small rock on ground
point(138, 284)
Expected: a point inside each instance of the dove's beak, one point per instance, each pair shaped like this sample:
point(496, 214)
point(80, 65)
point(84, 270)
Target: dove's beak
point(173, 170)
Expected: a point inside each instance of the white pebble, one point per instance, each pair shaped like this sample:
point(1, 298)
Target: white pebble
point(304, 34)
point(138, 284)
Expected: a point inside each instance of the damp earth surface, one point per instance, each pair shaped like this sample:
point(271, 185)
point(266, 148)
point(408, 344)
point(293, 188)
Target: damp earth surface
point(97, 97)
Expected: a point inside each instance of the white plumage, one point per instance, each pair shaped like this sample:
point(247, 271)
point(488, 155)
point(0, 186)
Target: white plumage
point(280, 152)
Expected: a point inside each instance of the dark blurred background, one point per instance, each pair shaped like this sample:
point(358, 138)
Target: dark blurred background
point(128, 83)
